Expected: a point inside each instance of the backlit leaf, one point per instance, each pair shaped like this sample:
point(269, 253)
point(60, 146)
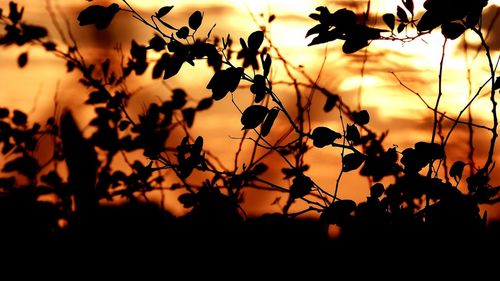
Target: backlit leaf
point(401, 27)
point(188, 115)
point(457, 169)
point(323, 136)
point(22, 60)
point(331, 101)
point(352, 161)
point(195, 20)
point(253, 116)
point(452, 30)
point(183, 32)
point(269, 121)
point(402, 15)
point(301, 186)
point(188, 200)
point(204, 104)
point(352, 134)
point(157, 43)
point(255, 40)
point(20, 118)
point(377, 190)
point(361, 117)
point(389, 20)
point(409, 5)
point(163, 11)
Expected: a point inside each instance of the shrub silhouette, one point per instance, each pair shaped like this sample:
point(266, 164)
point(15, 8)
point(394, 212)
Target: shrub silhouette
point(422, 207)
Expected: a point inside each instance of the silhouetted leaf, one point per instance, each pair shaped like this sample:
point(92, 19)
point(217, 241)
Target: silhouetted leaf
point(255, 40)
point(49, 46)
point(157, 43)
point(496, 86)
point(401, 27)
point(352, 134)
point(225, 81)
point(204, 104)
point(258, 88)
point(4, 112)
point(352, 161)
point(32, 32)
point(173, 65)
point(123, 125)
point(178, 98)
point(354, 44)
point(188, 115)
point(323, 136)
point(160, 66)
point(361, 117)
point(409, 6)
point(457, 169)
point(197, 147)
point(15, 15)
point(323, 16)
point(20, 118)
point(70, 66)
point(268, 123)
point(429, 151)
point(376, 190)
point(253, 116)
point(138, 52)
point(195, 20)
point(325, 37)
point(317, 29)
point(266, 65)
point(97, 97)
point(301, 186)
point(343, 19)
point(183, 32)
point(452, 30)
point(163, 11)
point(389, 20)
point(271, 18)
point(22, 60)
point(188, 200)
point(99, 15)
point(403, 17)
point(105, 67)
point(331, 101)
point(428, 22)
point(259, 169)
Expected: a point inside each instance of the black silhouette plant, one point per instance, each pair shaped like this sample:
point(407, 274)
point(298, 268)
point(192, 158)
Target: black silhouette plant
point(417, 199)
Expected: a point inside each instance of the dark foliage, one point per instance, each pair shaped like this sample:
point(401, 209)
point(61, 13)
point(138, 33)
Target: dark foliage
point(417, 210)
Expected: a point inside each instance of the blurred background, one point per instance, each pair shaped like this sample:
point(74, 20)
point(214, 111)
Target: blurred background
point(364, 80)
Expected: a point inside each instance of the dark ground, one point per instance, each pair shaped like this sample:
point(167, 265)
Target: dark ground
point(128, 240)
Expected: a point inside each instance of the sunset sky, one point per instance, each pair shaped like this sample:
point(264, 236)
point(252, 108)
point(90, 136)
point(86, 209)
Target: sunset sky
point(391, 106)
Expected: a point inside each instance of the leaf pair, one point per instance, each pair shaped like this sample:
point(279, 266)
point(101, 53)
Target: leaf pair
point(98, 15)
point(249, 51)
point(345, 27)
point(323, 136)
point(255, 115)
point(225, 81)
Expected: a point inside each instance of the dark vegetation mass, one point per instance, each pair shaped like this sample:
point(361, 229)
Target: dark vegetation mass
point(421, 218)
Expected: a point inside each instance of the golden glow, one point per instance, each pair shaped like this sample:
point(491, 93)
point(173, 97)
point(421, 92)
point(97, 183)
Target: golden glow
point(392, 106)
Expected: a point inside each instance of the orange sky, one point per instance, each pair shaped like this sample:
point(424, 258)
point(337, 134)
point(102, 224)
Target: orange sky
point(391, 106)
